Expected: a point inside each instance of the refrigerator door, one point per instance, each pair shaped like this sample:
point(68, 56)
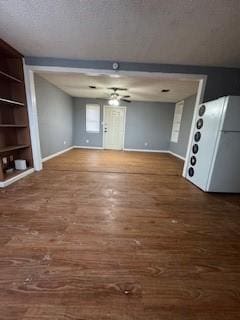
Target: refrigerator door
point(207, 125)
point(225, 175)
point(232, 114)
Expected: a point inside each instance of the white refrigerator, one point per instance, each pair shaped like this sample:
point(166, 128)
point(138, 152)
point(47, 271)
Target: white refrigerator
point(214, 161)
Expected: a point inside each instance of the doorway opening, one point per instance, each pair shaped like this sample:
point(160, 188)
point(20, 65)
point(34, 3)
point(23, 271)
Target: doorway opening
point(122, 127)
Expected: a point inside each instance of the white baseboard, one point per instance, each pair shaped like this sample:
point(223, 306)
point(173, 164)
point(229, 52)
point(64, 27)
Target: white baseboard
point(56, 154)
point(87, 147)
point(16, 178)
point(176, 155)
point(146, 150)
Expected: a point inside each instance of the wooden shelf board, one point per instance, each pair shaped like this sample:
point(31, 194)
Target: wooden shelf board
point(12, 148)
point(13, 126)
point(14, 173)
point(9, 77)
point(11, 102)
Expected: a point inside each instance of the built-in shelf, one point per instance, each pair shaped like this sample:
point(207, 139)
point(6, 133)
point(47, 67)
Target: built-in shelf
point(13, 126)
point(11, 102)
point(15, 142)
point(9, 77)
point(13, 174)
point(12, 148)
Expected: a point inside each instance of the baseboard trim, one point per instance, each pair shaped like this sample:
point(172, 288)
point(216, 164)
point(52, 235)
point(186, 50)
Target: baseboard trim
point(16, 178)
point(87, 147)
point(56, 154)
point(176, 155)
point(145, 150)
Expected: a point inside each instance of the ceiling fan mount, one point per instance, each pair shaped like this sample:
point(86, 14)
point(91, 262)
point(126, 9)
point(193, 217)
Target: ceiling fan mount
point(116, 96)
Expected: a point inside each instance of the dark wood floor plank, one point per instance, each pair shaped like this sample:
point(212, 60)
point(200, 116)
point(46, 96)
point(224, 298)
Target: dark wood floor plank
point(117, 235)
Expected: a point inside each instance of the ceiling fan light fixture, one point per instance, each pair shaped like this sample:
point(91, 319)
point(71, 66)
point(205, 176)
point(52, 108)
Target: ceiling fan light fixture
point(113, 102)
point(116, 102)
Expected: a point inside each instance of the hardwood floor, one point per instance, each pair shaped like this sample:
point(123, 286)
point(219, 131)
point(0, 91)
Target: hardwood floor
point(117, 235)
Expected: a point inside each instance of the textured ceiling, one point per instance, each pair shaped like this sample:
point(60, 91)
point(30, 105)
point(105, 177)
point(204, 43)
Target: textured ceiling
point(192, 32)
point(139, 88)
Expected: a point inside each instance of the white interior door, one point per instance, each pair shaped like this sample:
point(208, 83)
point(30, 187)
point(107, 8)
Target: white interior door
point(114, 127)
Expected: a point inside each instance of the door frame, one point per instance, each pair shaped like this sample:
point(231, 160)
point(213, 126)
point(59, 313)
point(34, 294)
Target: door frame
point(124, 123)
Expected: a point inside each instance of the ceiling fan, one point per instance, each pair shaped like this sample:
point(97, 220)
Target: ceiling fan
point(115, 97)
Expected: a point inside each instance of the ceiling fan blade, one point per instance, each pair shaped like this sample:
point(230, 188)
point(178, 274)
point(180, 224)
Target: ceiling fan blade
point(117, 89)
point(125, 97)
point(125, 100)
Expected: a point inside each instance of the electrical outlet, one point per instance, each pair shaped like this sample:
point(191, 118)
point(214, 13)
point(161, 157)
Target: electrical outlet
point(87, 141)
point(64, 142)
point(146, 144)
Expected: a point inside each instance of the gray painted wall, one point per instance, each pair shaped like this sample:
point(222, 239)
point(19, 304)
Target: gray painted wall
point(55, 117)
point(220, 81)
point(180, 147)
point(149, 122)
